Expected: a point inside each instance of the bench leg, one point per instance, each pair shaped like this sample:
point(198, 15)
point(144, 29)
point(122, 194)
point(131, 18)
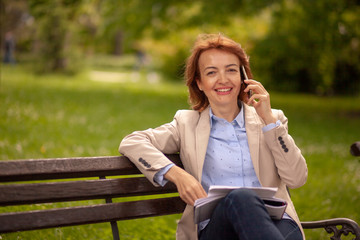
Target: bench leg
point(115, 230)
point(114, 227)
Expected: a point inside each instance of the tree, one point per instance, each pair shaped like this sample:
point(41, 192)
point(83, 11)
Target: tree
point(166, 29)
point(55, 20)
point(312, 47)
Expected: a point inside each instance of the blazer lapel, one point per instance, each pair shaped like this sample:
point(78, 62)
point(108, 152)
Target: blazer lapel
point(202, 134)
point(253, 135)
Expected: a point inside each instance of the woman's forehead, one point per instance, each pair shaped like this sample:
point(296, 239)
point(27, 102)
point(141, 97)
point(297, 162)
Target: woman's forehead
point(217, 58)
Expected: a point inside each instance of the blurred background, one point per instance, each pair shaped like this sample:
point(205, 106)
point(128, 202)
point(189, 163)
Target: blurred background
point(77, 76)
point(302, 46)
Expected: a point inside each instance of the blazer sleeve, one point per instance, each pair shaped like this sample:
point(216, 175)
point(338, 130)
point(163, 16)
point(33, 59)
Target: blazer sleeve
point(289, 161)
point(146, 148)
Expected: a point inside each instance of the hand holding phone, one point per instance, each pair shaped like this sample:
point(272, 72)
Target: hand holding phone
point(261, 104)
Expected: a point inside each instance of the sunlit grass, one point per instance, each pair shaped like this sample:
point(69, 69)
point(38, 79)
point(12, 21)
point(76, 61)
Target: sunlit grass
point(67, 116)
point(52, 116)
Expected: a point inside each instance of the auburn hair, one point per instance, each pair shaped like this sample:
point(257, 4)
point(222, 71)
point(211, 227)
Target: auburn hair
point(197, 98)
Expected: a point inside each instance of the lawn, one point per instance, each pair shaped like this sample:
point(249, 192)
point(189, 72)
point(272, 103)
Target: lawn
point(88, 115)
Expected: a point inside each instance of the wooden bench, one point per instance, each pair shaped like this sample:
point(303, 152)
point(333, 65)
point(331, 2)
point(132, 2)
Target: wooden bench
point(18, 188)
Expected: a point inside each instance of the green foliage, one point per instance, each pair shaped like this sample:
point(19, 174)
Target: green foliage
point(55, 51)
point(312, 47)
point(87, 115)
point(301, 46)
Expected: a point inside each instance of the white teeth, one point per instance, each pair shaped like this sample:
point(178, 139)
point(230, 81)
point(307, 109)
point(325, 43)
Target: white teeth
point(223, 90)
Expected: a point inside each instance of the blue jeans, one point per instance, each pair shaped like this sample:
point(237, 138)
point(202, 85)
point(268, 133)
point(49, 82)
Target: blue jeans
point(242, 215)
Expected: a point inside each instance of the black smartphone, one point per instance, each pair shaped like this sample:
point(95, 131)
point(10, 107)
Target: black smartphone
point(244, 76)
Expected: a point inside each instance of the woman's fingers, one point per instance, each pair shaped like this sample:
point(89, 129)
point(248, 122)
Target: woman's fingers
point(254, 86)
point(191, 193)
point(260, 100)
point(190, 190)
point(188, 187)
point(256, 98)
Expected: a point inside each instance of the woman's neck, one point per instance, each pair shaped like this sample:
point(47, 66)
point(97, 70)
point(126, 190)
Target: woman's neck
point(227, 113)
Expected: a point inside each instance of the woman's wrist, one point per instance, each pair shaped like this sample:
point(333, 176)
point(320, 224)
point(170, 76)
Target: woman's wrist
point(270, 119)
point(173, 174)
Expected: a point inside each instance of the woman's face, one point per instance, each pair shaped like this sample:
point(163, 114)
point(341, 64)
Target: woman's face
point(220, 78)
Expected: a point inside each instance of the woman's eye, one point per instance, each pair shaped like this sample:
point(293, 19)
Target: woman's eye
point(210, 73)
point(232, 70)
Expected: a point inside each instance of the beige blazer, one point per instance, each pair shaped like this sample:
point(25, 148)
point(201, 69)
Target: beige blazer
point(277, 160)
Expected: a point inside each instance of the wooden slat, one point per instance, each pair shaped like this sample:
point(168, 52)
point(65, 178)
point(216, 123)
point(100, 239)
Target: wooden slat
point(17, 194)
point(13, 222)
point(57, 168)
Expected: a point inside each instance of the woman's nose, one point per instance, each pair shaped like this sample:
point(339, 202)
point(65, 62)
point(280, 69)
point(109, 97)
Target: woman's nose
point(222, 77)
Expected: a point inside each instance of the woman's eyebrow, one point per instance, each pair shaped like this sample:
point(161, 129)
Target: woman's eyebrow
point(232, 65)
point(226, 66)
point(210, 67)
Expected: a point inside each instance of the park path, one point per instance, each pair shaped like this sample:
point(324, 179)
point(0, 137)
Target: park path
point(123, 77)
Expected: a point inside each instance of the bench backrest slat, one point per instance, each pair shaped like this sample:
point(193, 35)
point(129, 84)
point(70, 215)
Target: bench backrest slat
point(17, 194)
point(59, 168)
point(13, 222)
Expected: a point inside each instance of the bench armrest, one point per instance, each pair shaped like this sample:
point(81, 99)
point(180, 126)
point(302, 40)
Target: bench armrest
point(330, 225)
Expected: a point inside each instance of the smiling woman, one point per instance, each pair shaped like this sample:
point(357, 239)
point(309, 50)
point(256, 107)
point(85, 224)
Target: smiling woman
point(227, 139)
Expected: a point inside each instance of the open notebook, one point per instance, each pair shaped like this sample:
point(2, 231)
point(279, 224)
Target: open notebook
point(205, 206)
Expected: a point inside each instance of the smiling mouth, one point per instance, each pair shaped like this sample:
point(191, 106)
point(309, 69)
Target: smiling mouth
point(223, 90)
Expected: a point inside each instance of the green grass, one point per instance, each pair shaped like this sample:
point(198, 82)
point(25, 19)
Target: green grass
point(63, 116)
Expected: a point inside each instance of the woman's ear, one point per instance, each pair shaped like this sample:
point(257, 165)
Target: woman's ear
point(198, 82)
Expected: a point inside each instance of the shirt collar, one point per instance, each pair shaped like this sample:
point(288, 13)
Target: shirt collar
point(239, 119)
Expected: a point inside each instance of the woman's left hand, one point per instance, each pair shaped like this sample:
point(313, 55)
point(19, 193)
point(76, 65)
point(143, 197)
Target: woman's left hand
point(260, 100)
